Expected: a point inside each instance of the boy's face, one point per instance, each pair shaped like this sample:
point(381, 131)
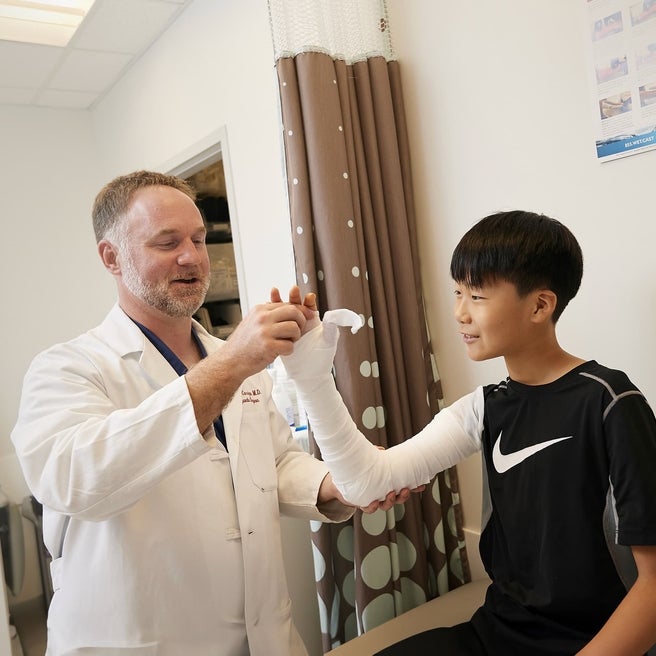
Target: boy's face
point(493, 320)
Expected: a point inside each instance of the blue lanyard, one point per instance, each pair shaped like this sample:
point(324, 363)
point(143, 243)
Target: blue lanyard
point(180, 368)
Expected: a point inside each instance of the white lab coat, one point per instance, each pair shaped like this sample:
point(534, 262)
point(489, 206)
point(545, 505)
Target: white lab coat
point(153, 552)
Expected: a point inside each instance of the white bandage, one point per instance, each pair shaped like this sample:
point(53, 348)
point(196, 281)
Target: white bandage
point(344, 317)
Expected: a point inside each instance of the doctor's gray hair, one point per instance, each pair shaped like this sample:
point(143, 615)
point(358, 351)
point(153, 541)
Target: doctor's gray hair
point(113, 200)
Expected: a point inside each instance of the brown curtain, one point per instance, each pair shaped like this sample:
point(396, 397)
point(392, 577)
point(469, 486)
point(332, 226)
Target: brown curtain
point(355, 243)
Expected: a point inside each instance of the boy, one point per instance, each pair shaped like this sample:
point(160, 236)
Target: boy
point(569, 449)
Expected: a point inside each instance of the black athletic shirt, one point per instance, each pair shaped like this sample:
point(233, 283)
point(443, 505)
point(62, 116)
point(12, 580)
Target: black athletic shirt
point(559, 459)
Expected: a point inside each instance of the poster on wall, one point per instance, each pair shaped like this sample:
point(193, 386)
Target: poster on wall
point(623, 44)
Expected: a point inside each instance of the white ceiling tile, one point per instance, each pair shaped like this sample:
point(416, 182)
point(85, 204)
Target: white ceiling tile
point(13, 96)
point(125, 25)
point(112, 37)
point(23, 65)
point(70, 99)
point(86, 70)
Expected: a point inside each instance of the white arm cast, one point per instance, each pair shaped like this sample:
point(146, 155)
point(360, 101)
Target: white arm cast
point(362, 472)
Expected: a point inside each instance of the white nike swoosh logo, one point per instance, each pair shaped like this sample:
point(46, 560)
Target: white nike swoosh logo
point(505, 461)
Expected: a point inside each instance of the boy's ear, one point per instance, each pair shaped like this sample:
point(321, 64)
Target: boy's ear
point(545, 305)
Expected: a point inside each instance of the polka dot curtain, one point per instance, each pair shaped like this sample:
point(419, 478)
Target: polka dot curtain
point(355, 244)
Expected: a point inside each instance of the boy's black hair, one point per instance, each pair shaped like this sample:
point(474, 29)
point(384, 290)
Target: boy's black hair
point(531, 251)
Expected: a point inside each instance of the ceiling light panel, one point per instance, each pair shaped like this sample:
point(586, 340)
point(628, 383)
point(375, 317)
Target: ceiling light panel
point(49, 22)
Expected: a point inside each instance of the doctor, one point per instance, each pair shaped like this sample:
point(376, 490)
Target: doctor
point(159, 457)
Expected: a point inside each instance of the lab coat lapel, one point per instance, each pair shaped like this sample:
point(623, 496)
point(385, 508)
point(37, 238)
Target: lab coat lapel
point(233, 410)
point(155, 365)
point(125, 336)
point(127, 339)
point(232, 423)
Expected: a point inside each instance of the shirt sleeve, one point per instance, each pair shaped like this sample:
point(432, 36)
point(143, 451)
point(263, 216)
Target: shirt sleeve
point(630, 430)
point(362, 472)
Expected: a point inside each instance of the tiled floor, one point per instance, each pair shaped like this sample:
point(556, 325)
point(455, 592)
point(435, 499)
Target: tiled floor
point(29, 618)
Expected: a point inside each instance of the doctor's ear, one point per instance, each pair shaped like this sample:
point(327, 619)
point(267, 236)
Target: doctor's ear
point(109, 256)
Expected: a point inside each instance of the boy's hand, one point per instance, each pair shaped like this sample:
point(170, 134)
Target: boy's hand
point(307, 305)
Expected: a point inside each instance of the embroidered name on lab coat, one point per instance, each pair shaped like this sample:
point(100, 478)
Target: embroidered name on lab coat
point(251, 396)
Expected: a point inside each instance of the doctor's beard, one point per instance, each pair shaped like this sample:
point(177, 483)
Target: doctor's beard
point(159, 294)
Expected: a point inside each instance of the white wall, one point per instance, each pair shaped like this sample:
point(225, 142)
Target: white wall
point(53, 284)
point(500, 116)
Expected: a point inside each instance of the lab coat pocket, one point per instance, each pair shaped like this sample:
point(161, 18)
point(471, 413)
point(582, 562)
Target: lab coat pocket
point(258, 457)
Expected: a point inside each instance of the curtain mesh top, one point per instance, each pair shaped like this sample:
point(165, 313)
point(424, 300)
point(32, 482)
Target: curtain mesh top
point(352, 30)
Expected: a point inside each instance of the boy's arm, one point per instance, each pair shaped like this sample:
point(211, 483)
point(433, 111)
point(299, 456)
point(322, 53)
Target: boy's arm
point(362, 472)
point(631, 629)
point(329, 492)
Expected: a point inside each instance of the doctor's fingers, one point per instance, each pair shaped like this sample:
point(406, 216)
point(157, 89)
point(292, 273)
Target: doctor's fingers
point(274, 296)
point(264, 334)
point(307, 304)
point(382, 504)
point(285, 322)
point(270, 315)
point(391, 499)
point(295, 297)
point(250, 351)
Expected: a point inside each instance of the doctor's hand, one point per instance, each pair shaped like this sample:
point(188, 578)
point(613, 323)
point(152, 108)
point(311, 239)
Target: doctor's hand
point(328, 491)
point(267, 331)
point(389, 501)
point(307, 305)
